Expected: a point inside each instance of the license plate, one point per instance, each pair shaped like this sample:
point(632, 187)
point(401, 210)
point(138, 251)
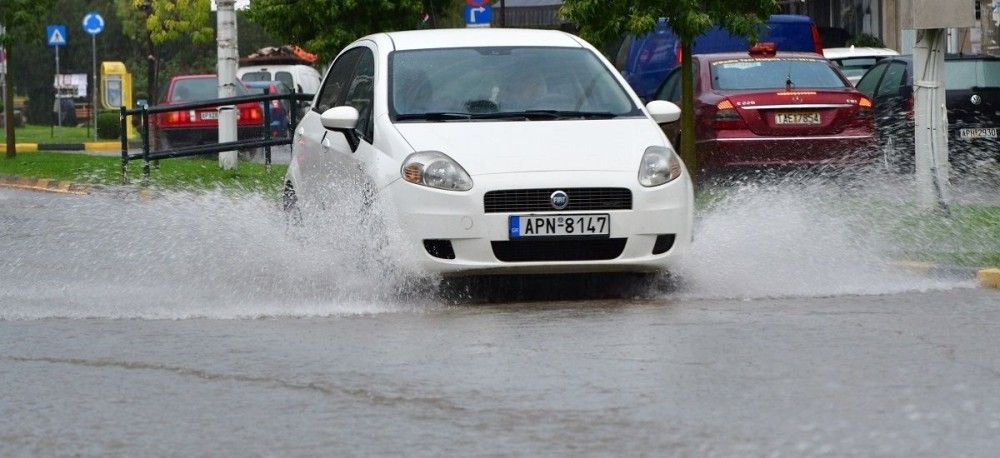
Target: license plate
point(526, 226)
point(206, 115)
point(981, 132)
point(797, 118)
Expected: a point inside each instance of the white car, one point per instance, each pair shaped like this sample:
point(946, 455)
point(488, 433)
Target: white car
point(500, 150)
point(855, 61)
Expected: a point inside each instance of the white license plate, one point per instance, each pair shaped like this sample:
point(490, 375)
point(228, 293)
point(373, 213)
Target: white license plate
point(526, 226)
point(981, 132)
point(206, 115)
point(797, 118)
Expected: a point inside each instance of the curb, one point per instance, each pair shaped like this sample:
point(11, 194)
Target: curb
point(986, 277)
point(88, 146)
point(45, 185)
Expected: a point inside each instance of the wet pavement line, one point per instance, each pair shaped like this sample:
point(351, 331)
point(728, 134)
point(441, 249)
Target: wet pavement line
point(46, 185)
point(989, 278)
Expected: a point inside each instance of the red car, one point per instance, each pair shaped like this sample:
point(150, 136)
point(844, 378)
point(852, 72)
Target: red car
point(766, 108)
point(178, 129)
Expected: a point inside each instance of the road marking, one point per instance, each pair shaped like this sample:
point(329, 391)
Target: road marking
point(989, 278)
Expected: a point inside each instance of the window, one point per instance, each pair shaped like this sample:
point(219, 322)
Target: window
point(361, 93)
point(870, 81)
point(671, 89)
point(284, 77)
point(256, 76)
point(338, 81)
point(749, 73)
point(892, 80)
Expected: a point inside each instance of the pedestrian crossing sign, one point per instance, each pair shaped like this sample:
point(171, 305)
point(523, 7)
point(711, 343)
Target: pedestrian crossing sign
point(56, 35)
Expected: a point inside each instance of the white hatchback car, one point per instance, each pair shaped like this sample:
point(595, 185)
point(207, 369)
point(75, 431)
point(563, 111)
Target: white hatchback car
point(854, 62)
point(500, 151)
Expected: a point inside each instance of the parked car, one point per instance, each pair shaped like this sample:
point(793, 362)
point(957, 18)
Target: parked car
point(500, 151)
point(646, 60)
point(768, 108)
point(972, 93)
point(201, 126)
point(302, 79)
point(280, 109)
point(854, 61)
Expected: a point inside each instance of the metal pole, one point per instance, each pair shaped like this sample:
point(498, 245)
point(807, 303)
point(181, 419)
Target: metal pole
point(267, 135)
point(503, 14)
point(145, 144)
point(123, 130)
point(58, 102)
point(93, 106)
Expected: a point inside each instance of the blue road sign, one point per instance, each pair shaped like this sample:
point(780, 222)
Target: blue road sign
point(93, 23)
point(55, 35)
point(478, 16)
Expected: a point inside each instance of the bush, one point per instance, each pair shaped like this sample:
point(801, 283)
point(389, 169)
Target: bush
point(865, 40)
point(107, 125)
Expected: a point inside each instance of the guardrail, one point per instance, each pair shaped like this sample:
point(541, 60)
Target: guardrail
point(266, 141)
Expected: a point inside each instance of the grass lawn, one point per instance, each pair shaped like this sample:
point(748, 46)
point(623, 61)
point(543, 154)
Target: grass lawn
point(174, 174)
point(43, 134)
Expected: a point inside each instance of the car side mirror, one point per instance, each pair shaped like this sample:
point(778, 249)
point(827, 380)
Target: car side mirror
point(343, 119)
point(663, 112)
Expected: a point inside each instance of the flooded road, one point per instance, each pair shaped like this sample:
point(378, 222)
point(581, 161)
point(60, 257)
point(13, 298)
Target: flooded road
point(194, 324)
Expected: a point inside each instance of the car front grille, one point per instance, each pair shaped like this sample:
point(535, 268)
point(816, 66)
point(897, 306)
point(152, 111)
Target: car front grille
point(558, 250)
point(539, 200)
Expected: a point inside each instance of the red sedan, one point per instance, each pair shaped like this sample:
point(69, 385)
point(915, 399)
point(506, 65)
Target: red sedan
point(201, 126)
point(767, 108)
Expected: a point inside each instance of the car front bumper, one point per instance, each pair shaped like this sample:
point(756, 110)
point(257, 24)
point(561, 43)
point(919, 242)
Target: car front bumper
point(460, 219)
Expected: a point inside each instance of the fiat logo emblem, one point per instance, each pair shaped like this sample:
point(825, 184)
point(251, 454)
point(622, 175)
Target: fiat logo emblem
point(976, 99)
point(559, 200)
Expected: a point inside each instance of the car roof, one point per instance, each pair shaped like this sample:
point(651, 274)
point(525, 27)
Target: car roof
point(193, 77)
point(468, 37)
point(790, 18)
point(715, 57)
point(855, 51)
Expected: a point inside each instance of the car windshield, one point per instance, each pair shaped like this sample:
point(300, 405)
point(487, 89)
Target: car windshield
point(504, 83)
point(856, 66)
point(779, 73)
point(199, 89)
point(966, 74)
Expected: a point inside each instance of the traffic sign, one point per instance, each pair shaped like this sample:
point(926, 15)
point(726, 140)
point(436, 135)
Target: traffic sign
point(56, 35)
point(478, 16)
point(93, 23)
point(477, 3)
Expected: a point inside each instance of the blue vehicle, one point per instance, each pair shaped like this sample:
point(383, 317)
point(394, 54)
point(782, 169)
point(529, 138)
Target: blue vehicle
point(280, 109)
point(646, 60)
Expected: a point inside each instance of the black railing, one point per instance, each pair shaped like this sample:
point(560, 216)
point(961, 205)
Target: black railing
point(267, 141)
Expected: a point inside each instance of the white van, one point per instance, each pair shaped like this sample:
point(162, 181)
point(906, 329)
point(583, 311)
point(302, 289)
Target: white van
point(302, 79)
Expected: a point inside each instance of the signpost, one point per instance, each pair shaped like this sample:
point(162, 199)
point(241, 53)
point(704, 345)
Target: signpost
point(55, 36)
point(93, 24)
point(478, 13)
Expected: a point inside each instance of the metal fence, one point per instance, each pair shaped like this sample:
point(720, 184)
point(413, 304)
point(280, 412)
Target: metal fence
point(266, 141)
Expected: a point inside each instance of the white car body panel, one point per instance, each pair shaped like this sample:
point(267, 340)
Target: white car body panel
point(498, 155)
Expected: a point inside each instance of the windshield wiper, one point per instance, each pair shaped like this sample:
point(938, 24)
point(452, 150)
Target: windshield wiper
point(435, 116)
point(547, 114)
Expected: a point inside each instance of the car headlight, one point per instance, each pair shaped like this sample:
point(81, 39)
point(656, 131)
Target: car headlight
point(659, 165)
point(436, 170)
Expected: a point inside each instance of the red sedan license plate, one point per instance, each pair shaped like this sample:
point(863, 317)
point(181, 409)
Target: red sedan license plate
point(206, 115)
point(797, 118)
point(527, 226)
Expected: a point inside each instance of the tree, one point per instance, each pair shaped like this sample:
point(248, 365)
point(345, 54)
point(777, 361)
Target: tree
point(156, 22)
point(602, 21)
point(326, 26)
point(22, 22)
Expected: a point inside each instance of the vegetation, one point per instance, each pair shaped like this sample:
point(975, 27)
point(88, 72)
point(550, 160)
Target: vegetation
point(310, 23)
point(173, 174)
point(108, 125)
point(49, 134)
point(601, 21)
point(22, 20)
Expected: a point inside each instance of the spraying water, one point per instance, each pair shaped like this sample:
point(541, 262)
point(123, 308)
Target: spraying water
point(220, 256)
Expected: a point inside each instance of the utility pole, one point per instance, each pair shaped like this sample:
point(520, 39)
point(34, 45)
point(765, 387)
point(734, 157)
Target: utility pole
point(503, 14)
point(228, 56)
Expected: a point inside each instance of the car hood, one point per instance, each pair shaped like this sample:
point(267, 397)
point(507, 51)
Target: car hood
point(537, 146)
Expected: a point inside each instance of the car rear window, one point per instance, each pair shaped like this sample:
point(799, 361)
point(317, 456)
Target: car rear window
point(777, 73)
point(198, 89)
point(966, 74)
point(856, 66)
point(257, 76)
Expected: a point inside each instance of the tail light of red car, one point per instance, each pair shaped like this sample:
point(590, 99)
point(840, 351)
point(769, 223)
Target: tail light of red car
point(175, 118)
point(865, 108)
point(726, 117)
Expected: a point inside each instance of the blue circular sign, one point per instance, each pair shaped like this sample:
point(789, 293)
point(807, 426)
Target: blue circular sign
point(93, 23)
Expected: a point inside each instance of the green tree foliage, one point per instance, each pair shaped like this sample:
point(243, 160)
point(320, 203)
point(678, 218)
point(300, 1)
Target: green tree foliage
point(22, 22)
point(326, 26)
point(602, 21)
point(157, 22)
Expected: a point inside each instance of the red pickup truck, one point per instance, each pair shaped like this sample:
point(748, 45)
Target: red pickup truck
point(200, 126)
